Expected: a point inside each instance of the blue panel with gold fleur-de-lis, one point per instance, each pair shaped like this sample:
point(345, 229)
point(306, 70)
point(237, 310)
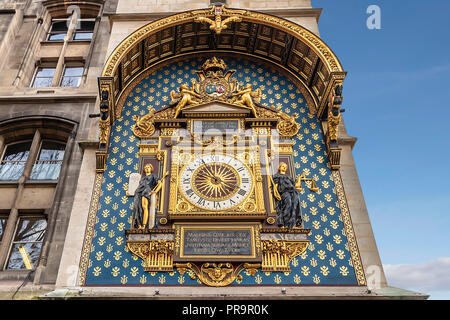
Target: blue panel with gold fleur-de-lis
point(327, 260)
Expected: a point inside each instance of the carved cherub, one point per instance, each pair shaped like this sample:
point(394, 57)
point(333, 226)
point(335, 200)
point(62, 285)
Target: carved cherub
point(185, 98)
point(246, 96)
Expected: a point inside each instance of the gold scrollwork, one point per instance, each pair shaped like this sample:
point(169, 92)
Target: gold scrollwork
point(157, 254)
point(216, 274)
point(277, 254)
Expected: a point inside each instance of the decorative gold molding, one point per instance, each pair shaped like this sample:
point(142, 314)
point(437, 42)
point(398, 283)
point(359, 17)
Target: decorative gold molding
point(87, 244)
point(310, 39)
point(216, 274)
point(277, 254)
point(349, 231)
point(157, 254)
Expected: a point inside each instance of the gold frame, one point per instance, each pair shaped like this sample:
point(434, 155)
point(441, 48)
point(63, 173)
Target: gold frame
point(177, 196)
point(255, 240)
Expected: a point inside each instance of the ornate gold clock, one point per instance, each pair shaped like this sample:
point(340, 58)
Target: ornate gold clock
point(216, 183)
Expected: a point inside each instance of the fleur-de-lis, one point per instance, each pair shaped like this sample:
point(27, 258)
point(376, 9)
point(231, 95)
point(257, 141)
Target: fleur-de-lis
point(324, 270)
point(113, 220)
point(313, 262)
point(181, 279)
point(119, 240)
point(313, 211)
point(125, 263)
point(117, 255)
point(333, 262)
point(121, 226)
point(97, 271)
point(162, 279)
point(124, 279)
point(340, 254)
point(134, 271)
point(316, 279)
point(337, 239)
point(344, 271)
point(101, 241)
point(330, 246)
point(109, 248)
point(115, 271)
point(316, 224)
point(107, 263)
point(258, 279)
point(321, 254)
point(111, 234)
point(318, 238)
point(334, 224)
point(297, 279)
point(277, 279)
point(103, 226)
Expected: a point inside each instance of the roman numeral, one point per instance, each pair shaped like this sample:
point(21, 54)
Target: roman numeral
point(241, 192)
point(190, 192)
point(240, 169)
point(245, 180)
point(201, 201)
point(186, 181)
point(216, 205)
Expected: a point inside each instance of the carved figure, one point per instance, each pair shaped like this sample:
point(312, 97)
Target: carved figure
point(287, 203)
point(144, 126)
point(287, 125)
point(148, 185)
point(245, 97)
point(185, 98)
point(217, 24)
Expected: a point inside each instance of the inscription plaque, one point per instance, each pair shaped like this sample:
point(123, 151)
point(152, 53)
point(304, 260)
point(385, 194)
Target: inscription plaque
point(215, 126)
point(217, 242)
point(220, 242)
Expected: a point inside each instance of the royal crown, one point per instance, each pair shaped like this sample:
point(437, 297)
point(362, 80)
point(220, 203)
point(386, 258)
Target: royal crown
point(214, 63)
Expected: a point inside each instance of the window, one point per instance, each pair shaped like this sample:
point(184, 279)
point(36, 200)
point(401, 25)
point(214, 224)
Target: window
point(72, 76)
point(3, 220)
point(27, 243)
point(85, 30)
point(14, 159)
point(49, 161)
point(58, 31)
point(43, 77)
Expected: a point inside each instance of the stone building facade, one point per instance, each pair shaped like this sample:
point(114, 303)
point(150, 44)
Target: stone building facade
point(58, 56)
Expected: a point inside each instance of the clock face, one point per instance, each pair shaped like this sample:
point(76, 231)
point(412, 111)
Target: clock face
point(216, 182)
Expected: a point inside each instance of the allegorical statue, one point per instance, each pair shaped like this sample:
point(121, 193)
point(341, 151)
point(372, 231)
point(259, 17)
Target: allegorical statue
point(245, 97)
point(287, 202)
point(145, 198)
point(185, 98)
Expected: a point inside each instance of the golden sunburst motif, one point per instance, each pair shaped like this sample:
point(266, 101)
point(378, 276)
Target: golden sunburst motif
point(216, 181)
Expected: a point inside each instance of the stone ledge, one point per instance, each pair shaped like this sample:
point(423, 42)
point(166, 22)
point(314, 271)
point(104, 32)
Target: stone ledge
point(235, 293)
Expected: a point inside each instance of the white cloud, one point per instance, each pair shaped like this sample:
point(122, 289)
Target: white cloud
point(424, 277)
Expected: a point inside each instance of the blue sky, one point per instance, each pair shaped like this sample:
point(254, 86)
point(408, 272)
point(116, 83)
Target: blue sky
point(396, 102)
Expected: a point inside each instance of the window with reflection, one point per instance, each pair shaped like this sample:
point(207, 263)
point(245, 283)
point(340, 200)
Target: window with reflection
point(49, 162)
point(27, 244)
point(43, 77)
point(85, 30)
point(72, 76)
point(58, 31)
point(14, 160)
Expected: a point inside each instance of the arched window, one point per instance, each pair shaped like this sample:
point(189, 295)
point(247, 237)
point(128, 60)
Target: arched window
point(33, 154)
